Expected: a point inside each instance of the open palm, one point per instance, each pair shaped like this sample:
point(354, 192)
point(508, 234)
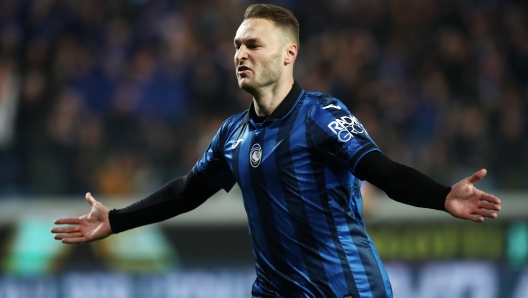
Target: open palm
point(89, 227)
point(467, 202)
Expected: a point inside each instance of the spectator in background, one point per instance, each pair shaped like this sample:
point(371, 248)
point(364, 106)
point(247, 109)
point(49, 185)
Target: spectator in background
point(9, 97)
point(149, 73)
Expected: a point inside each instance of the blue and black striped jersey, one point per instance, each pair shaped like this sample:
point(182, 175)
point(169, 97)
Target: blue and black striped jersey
point(303, 202)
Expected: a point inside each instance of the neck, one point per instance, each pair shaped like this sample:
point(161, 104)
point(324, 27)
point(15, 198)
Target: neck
point(268, 98)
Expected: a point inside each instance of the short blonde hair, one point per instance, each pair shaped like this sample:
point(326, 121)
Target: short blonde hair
point(281, 17)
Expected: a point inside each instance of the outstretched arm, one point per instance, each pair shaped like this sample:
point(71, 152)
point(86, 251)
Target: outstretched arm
point(178, 196)
point(89, 227)
point(409, 186)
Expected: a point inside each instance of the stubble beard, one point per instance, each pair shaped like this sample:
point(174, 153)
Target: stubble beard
point(269, 75)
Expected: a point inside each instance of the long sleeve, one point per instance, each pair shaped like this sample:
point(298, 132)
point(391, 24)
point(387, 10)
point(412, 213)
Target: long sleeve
point(402, 183)
point(176, 197)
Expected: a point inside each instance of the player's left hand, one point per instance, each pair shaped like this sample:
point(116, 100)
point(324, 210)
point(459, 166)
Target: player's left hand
point(467, 202)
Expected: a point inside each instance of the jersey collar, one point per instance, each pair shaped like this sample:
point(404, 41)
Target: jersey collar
point(284, 107)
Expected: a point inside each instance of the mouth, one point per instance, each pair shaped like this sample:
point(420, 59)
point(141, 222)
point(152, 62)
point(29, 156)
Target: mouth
point(243, 69)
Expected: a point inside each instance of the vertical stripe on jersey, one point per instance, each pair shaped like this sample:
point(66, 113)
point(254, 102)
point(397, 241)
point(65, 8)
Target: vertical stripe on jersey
point(282, 217)
point(267, 222)
point(388, 288)
point(318, 170)
point(303, 230)
point(363, 248)
point(368, 259)
point(252, 228)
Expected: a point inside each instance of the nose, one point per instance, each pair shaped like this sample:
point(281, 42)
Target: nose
point(240, 54)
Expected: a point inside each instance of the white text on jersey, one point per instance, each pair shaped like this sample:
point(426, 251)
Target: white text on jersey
point(345, 126)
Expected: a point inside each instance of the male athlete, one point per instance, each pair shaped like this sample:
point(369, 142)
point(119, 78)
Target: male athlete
point(299, 158)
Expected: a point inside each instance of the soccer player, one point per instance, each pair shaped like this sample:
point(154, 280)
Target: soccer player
point(299, 158)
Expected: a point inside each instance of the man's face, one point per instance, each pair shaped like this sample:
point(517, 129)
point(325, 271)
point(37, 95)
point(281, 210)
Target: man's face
point(259, 60)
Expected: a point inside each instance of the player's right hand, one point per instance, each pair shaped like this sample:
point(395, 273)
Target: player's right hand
point(89, 227)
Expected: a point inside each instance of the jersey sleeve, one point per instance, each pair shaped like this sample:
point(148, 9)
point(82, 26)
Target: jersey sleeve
point(335, 131)
point(212, 168)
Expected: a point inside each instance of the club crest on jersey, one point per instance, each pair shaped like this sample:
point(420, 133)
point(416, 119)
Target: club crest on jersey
point(345, 127)
point(255, 155)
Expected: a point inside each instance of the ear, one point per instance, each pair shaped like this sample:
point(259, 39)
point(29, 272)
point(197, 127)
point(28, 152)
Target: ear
point(291, 53)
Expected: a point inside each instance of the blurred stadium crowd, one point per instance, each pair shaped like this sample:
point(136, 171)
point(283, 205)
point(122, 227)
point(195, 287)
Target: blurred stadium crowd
point(118, 97)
